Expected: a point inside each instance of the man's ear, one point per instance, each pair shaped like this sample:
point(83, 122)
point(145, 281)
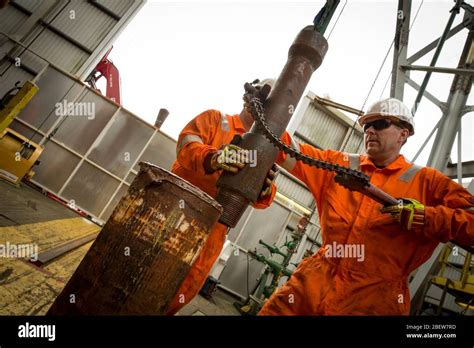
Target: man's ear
point(405, 133)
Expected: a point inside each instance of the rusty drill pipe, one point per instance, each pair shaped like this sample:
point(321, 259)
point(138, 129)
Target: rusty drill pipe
point(305, 56)
point(145, 250)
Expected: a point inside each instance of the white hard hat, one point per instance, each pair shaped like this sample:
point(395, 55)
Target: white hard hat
point(390, 108)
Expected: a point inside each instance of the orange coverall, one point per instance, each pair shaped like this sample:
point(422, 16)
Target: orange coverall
point(325, 284)
point(204, 134)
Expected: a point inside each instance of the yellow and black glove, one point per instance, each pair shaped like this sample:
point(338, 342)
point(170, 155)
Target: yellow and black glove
point(269, 181)
point(409, 213)
point(229, 157)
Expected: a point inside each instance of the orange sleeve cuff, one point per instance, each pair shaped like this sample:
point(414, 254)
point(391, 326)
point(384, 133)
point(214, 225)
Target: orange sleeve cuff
point(192, 155)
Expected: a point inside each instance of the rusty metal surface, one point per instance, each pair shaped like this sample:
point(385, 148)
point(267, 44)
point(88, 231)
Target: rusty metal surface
point(144, 251)
point(304, 57)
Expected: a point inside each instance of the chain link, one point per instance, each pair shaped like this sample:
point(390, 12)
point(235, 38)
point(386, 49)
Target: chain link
point(349, 177)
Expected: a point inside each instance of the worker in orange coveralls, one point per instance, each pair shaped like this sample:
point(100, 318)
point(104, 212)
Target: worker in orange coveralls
point(203, 153)
point(369, 251)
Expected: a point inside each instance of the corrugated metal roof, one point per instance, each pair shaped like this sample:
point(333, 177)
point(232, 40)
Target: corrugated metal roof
point(354, 144)
point(323, 129)
point(119, 7)
point(30, 5)
point(58, 51)
point(84, 23)
point(73, 35)
point(327, 128)
point(294, 191)
point(11, 20)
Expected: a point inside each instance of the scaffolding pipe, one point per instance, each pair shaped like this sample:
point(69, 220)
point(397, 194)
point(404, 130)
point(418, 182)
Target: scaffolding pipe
point(449, 123)
point(442, 39)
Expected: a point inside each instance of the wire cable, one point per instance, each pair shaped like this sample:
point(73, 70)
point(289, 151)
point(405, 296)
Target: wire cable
point(368, 94)
point(378, 73)
point(337, 19)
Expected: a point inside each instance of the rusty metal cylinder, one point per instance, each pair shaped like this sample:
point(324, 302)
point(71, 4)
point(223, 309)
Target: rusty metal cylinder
point(236, 191)
point(145, 250)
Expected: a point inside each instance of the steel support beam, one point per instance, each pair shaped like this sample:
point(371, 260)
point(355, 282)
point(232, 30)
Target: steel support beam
point(467, 170)
point(442, 146)
point(454, 11)
point(449, 123)
point(468, 108)
point(400, 49)
point(427, 94)
point(428, 48)
point(438, 69)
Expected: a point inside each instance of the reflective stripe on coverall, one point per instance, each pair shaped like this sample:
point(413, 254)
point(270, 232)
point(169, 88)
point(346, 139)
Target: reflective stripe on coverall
point(338, 280)
point(204, 134)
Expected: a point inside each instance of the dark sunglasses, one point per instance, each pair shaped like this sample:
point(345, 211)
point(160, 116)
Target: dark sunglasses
point(380, 124)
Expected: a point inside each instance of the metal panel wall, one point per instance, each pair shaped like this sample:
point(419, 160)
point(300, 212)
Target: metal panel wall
point(326, 131)
point(355, 144)
point(161, 147)
point(126, 137)
point(91, 144)
point(31, 6)
point(53, 87)
point(239, 271)
point(118, 7)
point(293, 190)
point(79, 132)
point(267, 225)
point(234, 232)
point(90, 188)
point(326, 127)
point(11, 20)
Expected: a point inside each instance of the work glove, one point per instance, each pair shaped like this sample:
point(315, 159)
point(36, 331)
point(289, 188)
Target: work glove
point(409, 213)
point(269, 181)
point(251, 91)
point(229, 157)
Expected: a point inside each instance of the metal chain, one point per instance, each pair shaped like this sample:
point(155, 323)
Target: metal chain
point(348, 174)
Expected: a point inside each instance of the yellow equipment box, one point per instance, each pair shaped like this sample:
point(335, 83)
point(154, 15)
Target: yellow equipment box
point(17, 156)
point(12, 104)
